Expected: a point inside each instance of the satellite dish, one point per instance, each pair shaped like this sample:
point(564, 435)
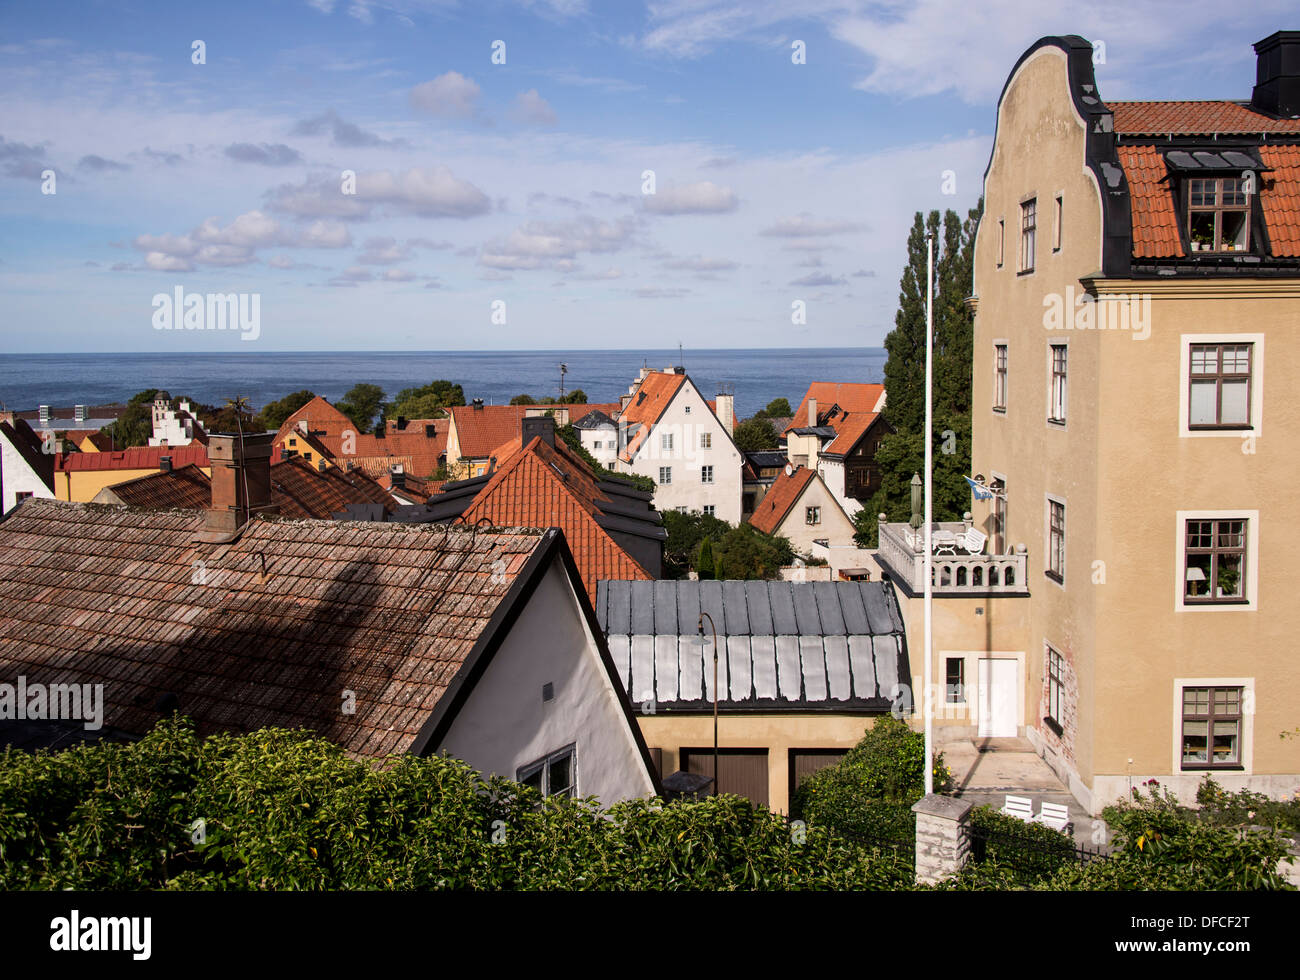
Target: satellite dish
point(788, 469)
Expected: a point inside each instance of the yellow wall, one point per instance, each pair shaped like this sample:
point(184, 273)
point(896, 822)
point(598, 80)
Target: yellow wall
point(778, 733)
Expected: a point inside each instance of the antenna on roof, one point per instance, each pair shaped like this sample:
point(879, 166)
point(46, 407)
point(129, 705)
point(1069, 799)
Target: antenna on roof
point(564, 369)
point(681, 361)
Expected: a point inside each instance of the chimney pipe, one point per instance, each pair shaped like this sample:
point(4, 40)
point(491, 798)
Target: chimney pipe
point(727, 410)
point(537, 426)
point(241, 483)
point(477, 403)
point(1277, 75)
point(812, 412)
point(79, 413)
point(165, 464)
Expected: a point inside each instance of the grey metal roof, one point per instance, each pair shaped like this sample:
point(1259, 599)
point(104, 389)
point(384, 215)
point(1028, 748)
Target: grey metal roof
point(830, 646)
point(1243, 158)
point(593, 420)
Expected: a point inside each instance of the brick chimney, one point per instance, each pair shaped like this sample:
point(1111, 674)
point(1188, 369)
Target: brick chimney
point(232, 469)
point(542, 426)
point(164, 464)
point(812, 412)
point(1277, 75)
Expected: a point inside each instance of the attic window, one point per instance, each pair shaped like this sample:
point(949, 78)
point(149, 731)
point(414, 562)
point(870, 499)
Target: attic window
point(1218, 214)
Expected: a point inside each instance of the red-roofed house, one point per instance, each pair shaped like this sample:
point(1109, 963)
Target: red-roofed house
point(801, 507)
point(1136, 295)
point(669, 432)
point(319, 431)
point(385, 638)
point(80, 476)
point(477, 430)
point(612, 529)
point(837, 429)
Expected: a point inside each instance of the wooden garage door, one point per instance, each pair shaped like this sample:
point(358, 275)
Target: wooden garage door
point(805, 762)
point(743, 771)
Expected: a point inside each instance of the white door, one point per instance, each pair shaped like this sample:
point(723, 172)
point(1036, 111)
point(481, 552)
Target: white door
point(997, 698)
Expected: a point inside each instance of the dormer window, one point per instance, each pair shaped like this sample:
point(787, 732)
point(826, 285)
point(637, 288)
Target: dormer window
point(1218, 214)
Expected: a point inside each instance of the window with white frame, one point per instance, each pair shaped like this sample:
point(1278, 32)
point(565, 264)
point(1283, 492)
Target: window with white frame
point(1058, 397)
point(1000, 377)
point(1028, 230)
point(665, 475)
point(706, 440)
point(555, 775)
point(666, 442)
point(1214, 561)
point(1219, 386)
point(1056, 225)
point(955, 680)
point(1002, 240)
point(706, 474)
point(1211, 728)
point(710, 510)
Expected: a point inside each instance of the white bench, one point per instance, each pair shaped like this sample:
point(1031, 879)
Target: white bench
point(1020, 807)
point(1054, 815)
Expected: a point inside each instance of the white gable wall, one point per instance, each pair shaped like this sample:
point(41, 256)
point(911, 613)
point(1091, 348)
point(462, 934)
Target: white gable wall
point(834, 526)
point(686, 418)
point(17, 477)
point(505, 724)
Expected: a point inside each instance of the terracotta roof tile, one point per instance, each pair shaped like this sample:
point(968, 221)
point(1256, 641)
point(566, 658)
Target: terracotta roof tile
point(550, 486)
point(857, 403)
point(188, 487)
point(136, 458)
point(1279, 196)
point(1193, 118)
point(776, 503)
point(106, 595)
point(652, 397)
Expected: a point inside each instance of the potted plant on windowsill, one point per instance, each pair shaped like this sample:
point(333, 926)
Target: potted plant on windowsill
point(1202, 242)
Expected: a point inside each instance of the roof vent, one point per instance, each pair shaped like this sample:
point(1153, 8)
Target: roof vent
point(477, 403)
point(165, 464)
point(430, 430)
point(1277, 75)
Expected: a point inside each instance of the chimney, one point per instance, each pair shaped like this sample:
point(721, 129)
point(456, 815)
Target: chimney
point(401, 423)
point(812, 412)
point(397, 474)
point(430, 430)
point(624, 401)
point(79, 413)
point(477, 404)
point(44, 416)
point(1277, 75)
point(727, 410)
point(233, 467)
point(165, 464)
point(542, 426)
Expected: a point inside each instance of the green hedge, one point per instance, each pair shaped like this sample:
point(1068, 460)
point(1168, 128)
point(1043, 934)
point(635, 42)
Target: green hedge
point(284, 810)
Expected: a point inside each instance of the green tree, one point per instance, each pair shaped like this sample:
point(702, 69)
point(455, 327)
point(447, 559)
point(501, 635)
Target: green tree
point(745, 552)
point(135, 425)
point(361, 404)
point(523, 400)
point(704, 562)
point(901, 453)
point(425, 402)
point(778, 408)
point(573, 440)
point(274, 414)
point(686, 532)
point(754, 434)
point(576, 397)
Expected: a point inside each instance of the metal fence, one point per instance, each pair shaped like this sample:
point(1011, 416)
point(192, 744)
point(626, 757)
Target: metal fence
point(1027, 857)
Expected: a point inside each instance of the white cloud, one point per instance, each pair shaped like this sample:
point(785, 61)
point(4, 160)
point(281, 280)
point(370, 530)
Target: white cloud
point(434, 192)
point(531, 109)
point(806, 226)
point(398, 275)
point(166, 263)
point(697, 263)
point(449, 96)
point(704, 197)
point(325, 234)
point(543, 244)
point(250, 230)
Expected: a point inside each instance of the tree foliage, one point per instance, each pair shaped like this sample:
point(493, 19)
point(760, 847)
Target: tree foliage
point(362, 403)
point(274, 414)
point(573, 439)
point(425, 402)
point(283, 810)
point(754, 434)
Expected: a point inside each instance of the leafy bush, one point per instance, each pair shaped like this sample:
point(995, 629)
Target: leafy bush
point(1244, 808)
point(870, 792)
point(286, 810)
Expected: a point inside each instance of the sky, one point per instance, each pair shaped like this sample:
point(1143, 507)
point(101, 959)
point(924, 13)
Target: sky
point(539, 174)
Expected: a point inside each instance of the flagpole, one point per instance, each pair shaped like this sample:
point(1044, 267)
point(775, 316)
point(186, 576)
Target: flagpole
point(927, 568)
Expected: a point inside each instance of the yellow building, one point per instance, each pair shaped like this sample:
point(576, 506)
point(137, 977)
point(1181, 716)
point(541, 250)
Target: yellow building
point(80, 476)
point(1137, 277)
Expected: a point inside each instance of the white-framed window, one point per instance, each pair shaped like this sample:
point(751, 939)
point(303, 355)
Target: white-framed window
point(1028, 233)
point(555, 775)
point(706, 440)
point(665, 475)
point(1054, 563)
point(666, 442)
point(1059, 217)
point(687, 409)
point(1217, 562)
point(1058, 393)
point(812, 515)
point(1002, 240)
point(706, 474)
point(711, 510)
point(1221, 385)
point(1213, 723)
point(954, 680)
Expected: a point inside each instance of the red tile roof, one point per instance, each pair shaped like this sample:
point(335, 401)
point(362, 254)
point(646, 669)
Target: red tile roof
point(856, 412)
point(330, 433)
point(388, 611)
point(1279, 196)
point(1195, 118)
point(301, 490)
point(187, 487)
point(653, 396)
point(776, 503)
point(136, 458)
point(550, 486)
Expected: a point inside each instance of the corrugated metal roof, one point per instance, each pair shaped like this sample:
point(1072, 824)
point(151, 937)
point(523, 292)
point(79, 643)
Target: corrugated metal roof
point(782, 645)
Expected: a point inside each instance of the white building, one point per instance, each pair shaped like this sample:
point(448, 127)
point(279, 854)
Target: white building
point(26, 468)
point(836, 431)
point(670, 433)
point(173, 426)
point(599, 436)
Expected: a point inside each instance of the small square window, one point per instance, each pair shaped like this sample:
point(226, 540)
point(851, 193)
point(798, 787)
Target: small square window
point(688, 409)
point(666, 442)
point(812, 515)
point(665, 474)
point(706, 474)
point(706, 440)
point(556, 775)
point(1211, 721)
point(710, 510)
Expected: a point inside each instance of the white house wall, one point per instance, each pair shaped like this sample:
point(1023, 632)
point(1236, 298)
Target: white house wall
point(17, 477)
point(505, 724)
point(834, 526)
point(686, 459)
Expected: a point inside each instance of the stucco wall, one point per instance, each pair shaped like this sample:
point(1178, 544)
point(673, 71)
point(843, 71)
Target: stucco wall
point(834, 526)
point(16, 476)
point(505, 724)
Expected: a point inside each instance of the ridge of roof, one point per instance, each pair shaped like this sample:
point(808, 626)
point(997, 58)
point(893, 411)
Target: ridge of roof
point(781, 498)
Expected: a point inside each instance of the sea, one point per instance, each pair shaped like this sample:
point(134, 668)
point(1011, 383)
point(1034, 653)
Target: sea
point(754, 376)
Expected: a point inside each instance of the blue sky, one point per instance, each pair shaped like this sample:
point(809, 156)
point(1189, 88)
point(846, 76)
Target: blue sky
point(521, 184)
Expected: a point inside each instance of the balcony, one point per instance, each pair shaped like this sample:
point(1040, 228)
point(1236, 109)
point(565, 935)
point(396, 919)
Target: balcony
point(955, 571)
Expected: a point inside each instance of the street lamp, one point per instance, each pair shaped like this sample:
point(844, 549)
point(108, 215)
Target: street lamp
point(700, 626)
